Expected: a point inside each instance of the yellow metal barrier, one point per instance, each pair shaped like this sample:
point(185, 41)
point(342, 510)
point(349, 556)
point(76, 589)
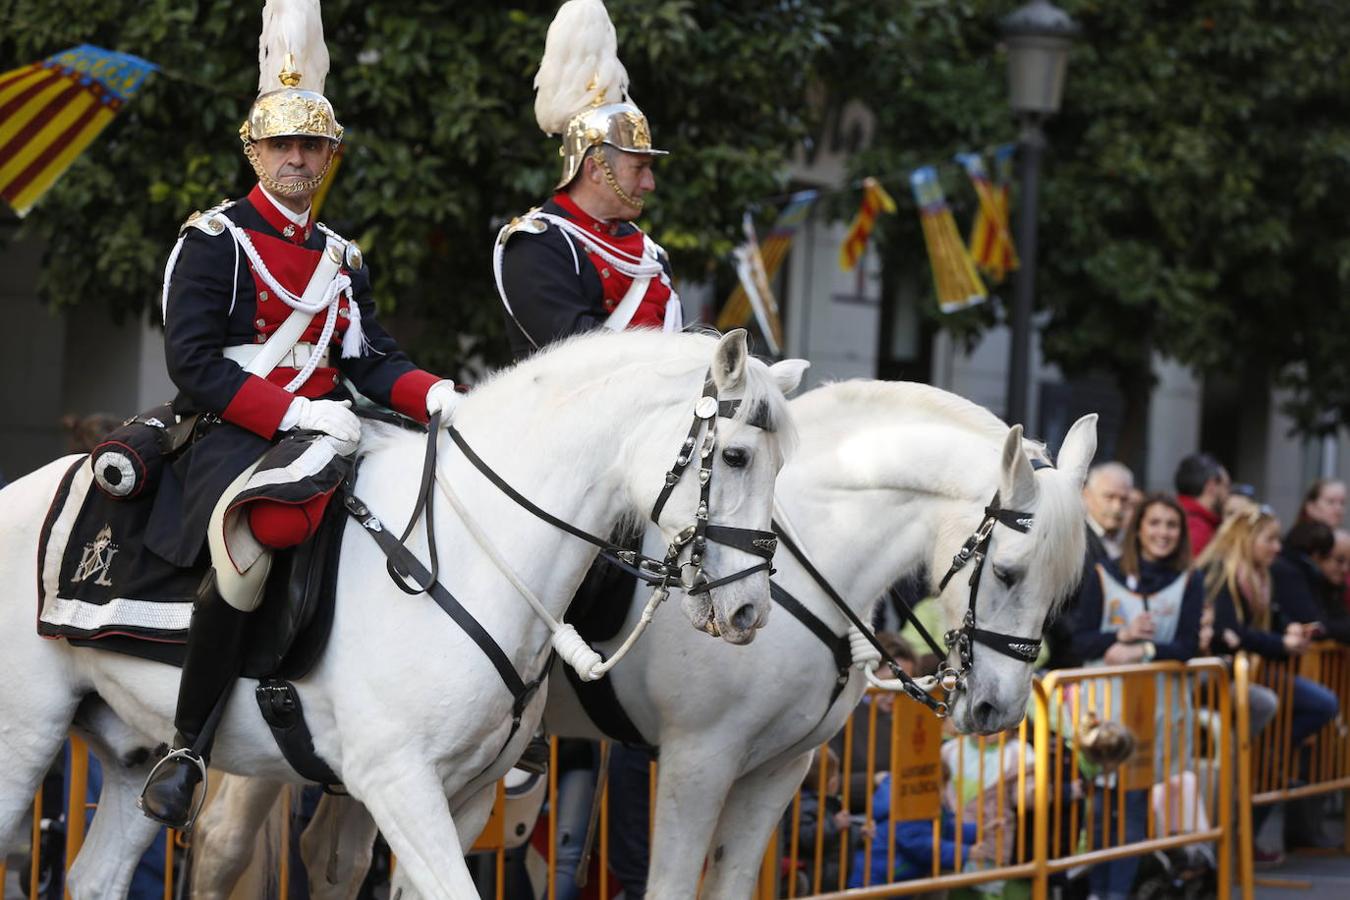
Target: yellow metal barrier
point(1035, 811)
point(1020, 804)
point(1269, 769)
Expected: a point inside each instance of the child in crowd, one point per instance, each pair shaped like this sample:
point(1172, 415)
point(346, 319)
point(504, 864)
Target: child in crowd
point(912, 840)
point(824, 822)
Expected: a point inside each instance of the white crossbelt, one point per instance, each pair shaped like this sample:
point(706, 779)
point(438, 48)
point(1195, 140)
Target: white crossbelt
point(295, 358)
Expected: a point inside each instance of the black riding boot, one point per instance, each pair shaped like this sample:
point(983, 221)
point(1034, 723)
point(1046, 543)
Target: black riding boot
point(214, 651)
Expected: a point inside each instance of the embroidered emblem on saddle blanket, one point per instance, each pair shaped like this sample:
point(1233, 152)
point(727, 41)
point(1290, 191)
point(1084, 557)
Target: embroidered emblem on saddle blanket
point(95, 577)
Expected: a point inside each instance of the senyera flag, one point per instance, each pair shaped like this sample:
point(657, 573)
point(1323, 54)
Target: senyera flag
point(51, 110)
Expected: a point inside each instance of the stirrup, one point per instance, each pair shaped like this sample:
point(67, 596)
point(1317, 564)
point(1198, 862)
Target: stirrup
point(195, 807)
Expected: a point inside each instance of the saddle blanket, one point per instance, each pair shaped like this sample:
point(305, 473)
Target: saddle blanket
point(95, 577)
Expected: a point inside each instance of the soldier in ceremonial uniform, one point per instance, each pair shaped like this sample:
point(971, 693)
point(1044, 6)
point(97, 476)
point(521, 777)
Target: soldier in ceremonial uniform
point(264, 311)
point(578, 262)
point(575, 264)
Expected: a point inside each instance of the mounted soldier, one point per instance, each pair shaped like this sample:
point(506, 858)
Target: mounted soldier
point(578, 263)
point(265, 312)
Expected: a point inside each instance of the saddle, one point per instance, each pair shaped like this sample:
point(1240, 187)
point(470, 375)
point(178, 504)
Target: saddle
point(99, 587)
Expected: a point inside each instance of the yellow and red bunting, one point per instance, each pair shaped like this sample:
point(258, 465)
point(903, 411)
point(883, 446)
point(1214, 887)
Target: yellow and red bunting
point(991, 243)
point(875, 201)
point(50, 111)
point(773, 250)
point(954, 277)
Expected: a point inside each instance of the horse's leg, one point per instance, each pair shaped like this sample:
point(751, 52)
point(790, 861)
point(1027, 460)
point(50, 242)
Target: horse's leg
point(473, 812)
point(749, 817)
point(413, 813)
point(337, 847)
point(36, 709)
point(470, 815)
point(692, 782)
point(225, 835)
point(118, 836)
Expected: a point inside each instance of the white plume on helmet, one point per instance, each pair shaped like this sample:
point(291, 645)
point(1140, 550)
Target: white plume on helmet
point(294, 27)
point(580, 67)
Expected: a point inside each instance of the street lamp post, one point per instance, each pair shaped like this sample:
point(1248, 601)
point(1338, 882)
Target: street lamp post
point(1038, 37)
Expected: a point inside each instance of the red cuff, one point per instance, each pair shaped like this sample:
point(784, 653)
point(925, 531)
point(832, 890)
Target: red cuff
point(258, 406)
point(409, 394)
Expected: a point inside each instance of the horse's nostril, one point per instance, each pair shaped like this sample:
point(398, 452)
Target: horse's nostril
point(744, 618)
point(985, 715)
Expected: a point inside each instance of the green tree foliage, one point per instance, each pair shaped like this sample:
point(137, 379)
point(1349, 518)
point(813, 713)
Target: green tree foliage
point(441, 144)
point(1192, 191)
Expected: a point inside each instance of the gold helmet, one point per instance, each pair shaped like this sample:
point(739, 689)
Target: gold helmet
point(582, 89)
point(293, 65)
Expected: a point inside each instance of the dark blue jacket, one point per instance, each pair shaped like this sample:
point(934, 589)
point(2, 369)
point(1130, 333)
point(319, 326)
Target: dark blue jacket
point(1091, 643)
point(913, 844)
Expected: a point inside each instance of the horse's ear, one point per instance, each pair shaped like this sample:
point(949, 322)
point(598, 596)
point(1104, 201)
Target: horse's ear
point(787, 373)
point(728, 365)
point(1017, 484)
point(1080, 445)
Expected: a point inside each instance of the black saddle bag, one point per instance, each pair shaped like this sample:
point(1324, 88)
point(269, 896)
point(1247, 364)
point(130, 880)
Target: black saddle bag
point(129, 461)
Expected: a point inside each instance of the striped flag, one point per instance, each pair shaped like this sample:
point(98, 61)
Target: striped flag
point(875, 201)
point(773, 250)
point(51, 110)
point(991, 243)
point(954, 277)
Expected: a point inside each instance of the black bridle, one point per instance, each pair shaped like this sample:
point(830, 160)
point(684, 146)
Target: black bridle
point(707, 411)
point(662, 572)
point(411, 576)
point(963, 639)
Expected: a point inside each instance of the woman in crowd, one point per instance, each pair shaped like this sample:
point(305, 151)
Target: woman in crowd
point(1324, 502)
point(1249, 616)
point(1144, 606)
point(1309, 575)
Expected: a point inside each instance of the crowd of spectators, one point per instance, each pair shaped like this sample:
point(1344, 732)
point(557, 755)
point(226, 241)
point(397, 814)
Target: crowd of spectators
point(1207, 571)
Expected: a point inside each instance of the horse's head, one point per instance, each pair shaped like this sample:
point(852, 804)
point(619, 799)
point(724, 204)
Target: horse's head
point(715, 503)
point(1026, 555)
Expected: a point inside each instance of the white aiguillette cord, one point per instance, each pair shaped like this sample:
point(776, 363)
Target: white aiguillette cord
point(570, 645)
point(866, 658)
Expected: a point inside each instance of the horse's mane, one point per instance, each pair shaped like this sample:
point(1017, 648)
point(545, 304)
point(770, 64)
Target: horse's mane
point(585, 362)
point(912, 401)
point(591, 358)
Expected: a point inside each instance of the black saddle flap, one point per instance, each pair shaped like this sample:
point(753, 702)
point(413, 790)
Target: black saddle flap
point(288, 632)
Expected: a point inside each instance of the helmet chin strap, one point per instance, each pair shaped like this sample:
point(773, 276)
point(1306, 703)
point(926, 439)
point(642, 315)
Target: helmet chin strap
point(627, 198)
point(276, 187)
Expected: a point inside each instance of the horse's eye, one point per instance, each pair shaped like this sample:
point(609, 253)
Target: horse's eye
point(736, 457)
point(1008, 577)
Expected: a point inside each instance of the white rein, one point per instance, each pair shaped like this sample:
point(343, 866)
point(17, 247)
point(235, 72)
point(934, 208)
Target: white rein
point(570, 645)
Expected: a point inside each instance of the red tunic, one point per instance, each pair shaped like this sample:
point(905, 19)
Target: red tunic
point(651, 312)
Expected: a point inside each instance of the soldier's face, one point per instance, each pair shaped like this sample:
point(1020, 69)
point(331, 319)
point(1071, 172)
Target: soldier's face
point(294, 159)
point(632, 173)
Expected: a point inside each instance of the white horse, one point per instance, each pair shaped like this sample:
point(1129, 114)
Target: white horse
point(888, 478)
point(403, 706)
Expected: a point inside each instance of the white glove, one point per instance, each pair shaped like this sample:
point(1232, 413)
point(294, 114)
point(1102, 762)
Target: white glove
point(332, 417)
point(443, 398)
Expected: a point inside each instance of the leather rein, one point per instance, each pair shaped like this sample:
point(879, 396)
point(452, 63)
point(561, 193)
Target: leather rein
point(408, 573)
point(963, 639)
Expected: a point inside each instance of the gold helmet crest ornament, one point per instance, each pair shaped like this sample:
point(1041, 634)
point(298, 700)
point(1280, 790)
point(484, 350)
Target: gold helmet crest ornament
point(582, 92)
point(293, 66)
